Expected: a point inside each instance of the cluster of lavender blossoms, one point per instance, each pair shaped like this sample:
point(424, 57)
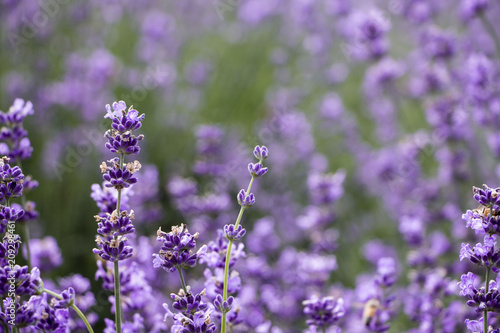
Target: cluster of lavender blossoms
point(28, 304)
point(113, 227)
point(379, 115)
point(484, 220)
point(193, 314)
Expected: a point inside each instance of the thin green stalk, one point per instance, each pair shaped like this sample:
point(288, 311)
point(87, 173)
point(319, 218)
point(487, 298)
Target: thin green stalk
point(228, 257)
point(15, 329)
point(485, 317)
point(118, 309)
point(183, 283)
point(74, 307)
point(324, 329)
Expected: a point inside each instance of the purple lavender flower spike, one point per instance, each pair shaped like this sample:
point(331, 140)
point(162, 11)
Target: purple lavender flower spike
point(27, 283)
point(245, 200)
point(188, 304)
point(118, 108)
point(323, 312)
point(176, 251)
point(483, 254)
point(11, 180)
point(223, 306)
point(9, 214)
point(386, 270)
point(68, 300)
point(487, 197)
point(25, 313)
point(119, 177)
point(17, 112)
point(120, 137)
point(51, 319)
point(9, 247)
point(112, 224)
point(233, 233)
point(467, 285)
point(15, 143)
point(111, 249)
point(260, 153)
point(256, 169)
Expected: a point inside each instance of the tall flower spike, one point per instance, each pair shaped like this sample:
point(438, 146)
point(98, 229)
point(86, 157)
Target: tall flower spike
point(484, 219)
point(235, 232)
point(112, 245)
point(176, 251)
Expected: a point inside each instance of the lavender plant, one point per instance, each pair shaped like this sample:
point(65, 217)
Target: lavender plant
point(112, 245)
point(483, 221)
point(234, 232)
point(402, 95)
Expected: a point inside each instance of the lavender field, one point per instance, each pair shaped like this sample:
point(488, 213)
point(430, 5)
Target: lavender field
point(267, 166)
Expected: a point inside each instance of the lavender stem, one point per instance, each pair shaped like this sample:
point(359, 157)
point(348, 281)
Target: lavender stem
point(74, 307)
point(183, 283)
point(228, 257)
point(118, 310)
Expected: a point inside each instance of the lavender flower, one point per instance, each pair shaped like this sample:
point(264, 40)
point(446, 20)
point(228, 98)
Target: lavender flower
point(223, 306)
point(111, 243)
point(246, 200)
point(256, 169)
point(189, 304)
point(323, 312)
point(9, 214)
point(233, 233)
point(487, 298)
point(27, 283)
point(117, 176)
point(68, 299)
point(112, 224)
point(113, 249)
point(120, 137)
point(176, 251)
point(480, 299)
point(11, 180)
point(25, 314)
point(488, 197)
point(15, 143)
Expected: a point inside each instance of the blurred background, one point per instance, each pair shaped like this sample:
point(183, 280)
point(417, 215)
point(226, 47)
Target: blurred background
point(379, 115)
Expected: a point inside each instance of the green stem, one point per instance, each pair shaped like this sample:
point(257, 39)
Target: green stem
point(228, 257)
point(491, 31)
point(183, 283)
point(118, 309)
point(15, 329)
point(74, 307)
point(324, 329)
point(485, 318)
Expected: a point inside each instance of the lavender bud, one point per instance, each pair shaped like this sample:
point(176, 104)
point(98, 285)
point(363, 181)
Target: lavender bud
point(246, 200)
point(233, 233)
point(223, 306)
point(256, 170)
point(67, 301)
point(260, 153)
